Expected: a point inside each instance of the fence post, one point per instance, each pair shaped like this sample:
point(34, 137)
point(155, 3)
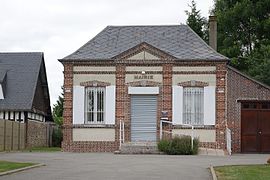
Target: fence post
point(4, 134)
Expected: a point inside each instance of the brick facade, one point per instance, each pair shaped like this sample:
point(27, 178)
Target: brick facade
point(230, 86)
point(241, 87)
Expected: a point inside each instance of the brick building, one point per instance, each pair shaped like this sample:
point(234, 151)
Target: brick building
point(126, 76)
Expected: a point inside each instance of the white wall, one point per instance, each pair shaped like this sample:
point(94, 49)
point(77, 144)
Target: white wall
point(93, 134)
point(205, 135)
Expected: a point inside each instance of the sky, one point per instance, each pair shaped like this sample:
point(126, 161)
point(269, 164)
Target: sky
point(59, 27)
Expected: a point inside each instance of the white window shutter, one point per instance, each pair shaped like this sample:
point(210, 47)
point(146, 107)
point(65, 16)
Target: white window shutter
point(177, 98)
point(110, 105)
point(78, 104)
point(209, 105)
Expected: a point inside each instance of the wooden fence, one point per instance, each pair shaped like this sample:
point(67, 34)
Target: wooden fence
point(12, 135)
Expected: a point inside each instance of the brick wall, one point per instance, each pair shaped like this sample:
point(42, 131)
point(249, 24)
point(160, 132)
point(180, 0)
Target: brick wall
point(240, 87)
point(123, 98)
point(221, 70)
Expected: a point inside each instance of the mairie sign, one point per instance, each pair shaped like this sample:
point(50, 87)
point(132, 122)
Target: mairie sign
point(143, 77)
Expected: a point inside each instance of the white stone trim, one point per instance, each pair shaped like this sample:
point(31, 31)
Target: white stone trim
point(143, 90)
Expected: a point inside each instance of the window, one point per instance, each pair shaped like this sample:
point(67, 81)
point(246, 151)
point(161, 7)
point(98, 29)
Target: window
point(94, 105)
point(193, 105)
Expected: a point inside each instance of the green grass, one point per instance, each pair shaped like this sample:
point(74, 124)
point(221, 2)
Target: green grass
point(243, 172)
point(7, 166)
point(43, 149)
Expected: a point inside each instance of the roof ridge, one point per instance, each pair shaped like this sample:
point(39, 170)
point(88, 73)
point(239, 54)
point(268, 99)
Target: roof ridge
point(178, 40)
point(29, 52)
point(207, 45)
point(157, 25)
point(86, 42)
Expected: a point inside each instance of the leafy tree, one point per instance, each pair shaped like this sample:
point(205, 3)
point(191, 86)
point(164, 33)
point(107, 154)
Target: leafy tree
point(196, 22)
point(259, 63)
point(58, 110)
point(243, 26)
point(243, 35)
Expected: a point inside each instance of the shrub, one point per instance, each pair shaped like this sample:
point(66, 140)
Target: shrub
point(163, 145)
point(57, 137)
point(179, 145)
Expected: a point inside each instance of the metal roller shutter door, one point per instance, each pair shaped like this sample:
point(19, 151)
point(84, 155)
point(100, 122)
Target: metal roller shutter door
point(143, 117)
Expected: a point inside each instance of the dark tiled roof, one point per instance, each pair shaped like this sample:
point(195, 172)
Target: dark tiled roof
point(22, 75)
point(2, 75)
point(179, 41)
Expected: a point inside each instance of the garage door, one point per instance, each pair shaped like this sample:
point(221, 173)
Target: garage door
point(143, 117)
point(255, 127)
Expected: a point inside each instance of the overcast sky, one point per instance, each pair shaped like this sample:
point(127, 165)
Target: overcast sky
point(59, 27)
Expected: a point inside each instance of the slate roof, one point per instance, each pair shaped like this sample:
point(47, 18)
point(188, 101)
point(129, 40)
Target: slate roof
point(2, 75)
point(179, 41)
point(22, 75)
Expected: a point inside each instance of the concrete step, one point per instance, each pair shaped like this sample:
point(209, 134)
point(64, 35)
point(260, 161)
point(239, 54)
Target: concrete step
point(211, 152)
point(139, 148)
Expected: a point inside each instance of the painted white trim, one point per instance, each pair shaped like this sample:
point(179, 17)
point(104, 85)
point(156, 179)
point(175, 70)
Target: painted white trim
point(177, 105)
point(78, 105)
point(209, 105)
point(143, 90)
point(1, 92)
point(110, 105)
point(11, 117)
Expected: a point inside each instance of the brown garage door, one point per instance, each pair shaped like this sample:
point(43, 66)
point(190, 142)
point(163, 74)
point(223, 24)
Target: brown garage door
point(255, 127)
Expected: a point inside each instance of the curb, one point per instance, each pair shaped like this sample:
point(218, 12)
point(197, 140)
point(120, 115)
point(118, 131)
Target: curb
point(213, 173)
point(21, 169)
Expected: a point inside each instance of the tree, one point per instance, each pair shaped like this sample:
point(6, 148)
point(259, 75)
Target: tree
point(243, 26)
point(58, 110)
point(196, 22)
point(243, 35)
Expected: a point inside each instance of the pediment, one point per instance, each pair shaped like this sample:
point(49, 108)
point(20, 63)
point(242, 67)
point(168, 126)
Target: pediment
point(144, 55)
point(143, 51)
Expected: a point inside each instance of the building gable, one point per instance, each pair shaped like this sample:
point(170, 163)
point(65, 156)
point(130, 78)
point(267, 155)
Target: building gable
point(144, 55)
point(143, 51)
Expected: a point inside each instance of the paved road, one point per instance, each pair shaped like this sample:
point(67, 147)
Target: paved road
point(75, 166)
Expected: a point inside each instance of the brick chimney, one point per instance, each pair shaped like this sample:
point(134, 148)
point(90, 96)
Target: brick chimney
point(213, 32)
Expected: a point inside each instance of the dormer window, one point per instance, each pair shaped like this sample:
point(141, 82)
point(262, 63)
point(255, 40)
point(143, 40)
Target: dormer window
point(2, 83)
point(1, 92)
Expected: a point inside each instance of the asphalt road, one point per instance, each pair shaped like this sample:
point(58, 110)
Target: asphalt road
point(76, 166)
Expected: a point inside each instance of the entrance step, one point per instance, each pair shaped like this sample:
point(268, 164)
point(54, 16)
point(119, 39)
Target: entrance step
point(211, 152)
point(139, 148)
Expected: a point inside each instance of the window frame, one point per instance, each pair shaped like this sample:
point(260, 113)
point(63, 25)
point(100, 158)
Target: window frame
point(193, 115)
point(96, 111)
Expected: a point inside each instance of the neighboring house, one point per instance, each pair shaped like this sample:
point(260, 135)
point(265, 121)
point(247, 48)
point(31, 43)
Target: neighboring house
point(24, 94)
point(130, 74)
